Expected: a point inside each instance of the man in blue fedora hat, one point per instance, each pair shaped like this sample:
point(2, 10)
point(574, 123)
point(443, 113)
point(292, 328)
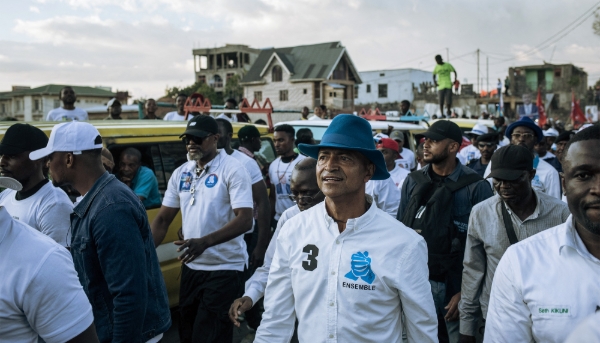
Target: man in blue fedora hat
point(525, 132)
point(344, 268)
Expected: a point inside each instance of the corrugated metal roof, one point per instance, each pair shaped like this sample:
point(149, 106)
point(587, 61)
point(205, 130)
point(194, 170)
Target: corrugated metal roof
point(55, 89)
point(304, 62)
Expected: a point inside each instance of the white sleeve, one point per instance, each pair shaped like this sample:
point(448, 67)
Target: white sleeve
point(55, 305)
point(49, 117)
point(552, 183)
point(387, 196)
point(508, 317)
point(84, 115)
point(461, 157)
point(278, 320)
point(253, 170)
point(240, 189)
point(171, 198)
point(415, 294)
point(255, 286)
point(55, 220)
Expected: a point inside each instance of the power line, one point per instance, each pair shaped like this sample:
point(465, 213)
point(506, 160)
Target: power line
point(414, 59)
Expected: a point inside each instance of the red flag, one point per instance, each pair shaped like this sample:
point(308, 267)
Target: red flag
point(577, 116)
point(541, 110)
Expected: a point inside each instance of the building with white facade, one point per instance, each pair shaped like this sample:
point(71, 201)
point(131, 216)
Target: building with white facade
point(29, 104)
point(389, 86)
point(307, 75)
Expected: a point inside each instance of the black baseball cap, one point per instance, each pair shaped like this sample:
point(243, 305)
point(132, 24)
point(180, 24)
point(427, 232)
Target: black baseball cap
point(442, 129)
point(565, 136)
point(509, 162)
point(201, 126)
point(22, 137)
point(248, 132)
point(488, 137)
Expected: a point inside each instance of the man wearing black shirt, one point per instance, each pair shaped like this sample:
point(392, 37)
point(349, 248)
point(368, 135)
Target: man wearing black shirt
point(486, 144)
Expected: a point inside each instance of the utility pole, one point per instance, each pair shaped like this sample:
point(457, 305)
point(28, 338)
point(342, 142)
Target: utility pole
point(487, 72)
point(447, 55)
point(478, 86)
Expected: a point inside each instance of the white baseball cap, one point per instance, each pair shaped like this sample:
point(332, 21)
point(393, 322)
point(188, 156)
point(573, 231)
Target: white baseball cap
point(10, 183)
point(551, 132)
point(73, 136)
point(478, 129)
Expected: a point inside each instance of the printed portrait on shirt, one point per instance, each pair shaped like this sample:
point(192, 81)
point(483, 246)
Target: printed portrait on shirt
point(185, 183)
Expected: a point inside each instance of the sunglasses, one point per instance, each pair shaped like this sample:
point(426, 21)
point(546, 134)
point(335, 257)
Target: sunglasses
point(198, 140)
point(483, 145)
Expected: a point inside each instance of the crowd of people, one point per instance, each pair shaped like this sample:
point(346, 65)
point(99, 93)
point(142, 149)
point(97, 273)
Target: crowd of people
point(354, 239)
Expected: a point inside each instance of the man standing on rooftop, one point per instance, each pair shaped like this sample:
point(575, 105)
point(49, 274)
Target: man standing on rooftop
point(444, 84)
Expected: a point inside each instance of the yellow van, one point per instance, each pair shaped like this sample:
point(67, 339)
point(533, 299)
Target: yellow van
point(162, 151)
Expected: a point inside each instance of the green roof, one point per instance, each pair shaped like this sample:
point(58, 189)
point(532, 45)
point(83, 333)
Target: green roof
point(305, 62)
point(53, 89)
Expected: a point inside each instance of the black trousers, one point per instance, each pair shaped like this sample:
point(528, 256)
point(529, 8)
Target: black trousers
point(445, 96)
point(204, 300)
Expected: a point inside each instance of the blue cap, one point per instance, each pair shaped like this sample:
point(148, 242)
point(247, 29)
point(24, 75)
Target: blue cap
point(527, 122)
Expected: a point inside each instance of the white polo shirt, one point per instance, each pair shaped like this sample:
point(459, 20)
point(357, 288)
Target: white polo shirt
point(546, 178)
point(48, 211)
point(385, 194)
point(280, 174)
point(398, 175)
point(174, 116)
point(40, 293)
point(255, 286)
point(60, 114)
point(588, 331)
point(543, 288)
point(350, 286)
point(407, 161)
point(217, 192)
point(253, 171)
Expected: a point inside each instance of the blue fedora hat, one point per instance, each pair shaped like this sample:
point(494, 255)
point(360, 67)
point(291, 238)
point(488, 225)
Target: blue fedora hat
point(350, 132)
point(527, 122)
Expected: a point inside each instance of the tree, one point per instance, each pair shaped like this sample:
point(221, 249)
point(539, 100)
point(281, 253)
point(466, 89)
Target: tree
point(198, 87)
point(233, 88)
point(596, 24)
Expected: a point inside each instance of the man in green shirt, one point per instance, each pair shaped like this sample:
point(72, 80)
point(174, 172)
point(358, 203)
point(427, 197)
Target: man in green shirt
point(445, 84)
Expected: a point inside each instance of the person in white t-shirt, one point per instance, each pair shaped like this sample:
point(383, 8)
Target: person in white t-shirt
point(39, 204)
point(215, 198)
point(40, 295)
point(389, 149)
point(68, 111)
point(471, 152)
point(280, 170)
point(526, 133)
point(320, 113)
point(406, 158)
point(178, 115)
point(230, 104)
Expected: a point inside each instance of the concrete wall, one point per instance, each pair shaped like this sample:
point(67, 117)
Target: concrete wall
point(399, 85)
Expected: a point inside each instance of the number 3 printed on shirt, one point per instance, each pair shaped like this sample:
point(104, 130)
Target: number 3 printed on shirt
point(311, 260)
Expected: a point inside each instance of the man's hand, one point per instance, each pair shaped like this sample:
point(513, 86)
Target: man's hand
point(238, 307)
point(257, 258)
point(466, 339)
point(195, 247)
point(452, 308)
point(435, 83)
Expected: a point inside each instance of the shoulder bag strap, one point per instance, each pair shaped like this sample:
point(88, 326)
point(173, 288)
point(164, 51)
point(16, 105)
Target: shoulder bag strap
point(510, 230)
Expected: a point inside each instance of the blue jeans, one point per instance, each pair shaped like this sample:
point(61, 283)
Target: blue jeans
point(440, 300)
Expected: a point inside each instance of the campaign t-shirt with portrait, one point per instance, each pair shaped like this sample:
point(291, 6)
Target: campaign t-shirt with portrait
point(280, 174)
point(406, 160)
point(60, 114)
point(174, 116)
point(443, 72)
point(207, 202)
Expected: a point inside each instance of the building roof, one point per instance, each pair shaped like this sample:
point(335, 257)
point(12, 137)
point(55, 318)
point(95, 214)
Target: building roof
point(305, 62)
point(53, 89)
point(549, 65)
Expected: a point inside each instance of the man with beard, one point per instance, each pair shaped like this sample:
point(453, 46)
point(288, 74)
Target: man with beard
point(547, 284)
point(516, 212)
point(306, 194)
point(39, 204)
point(215, 198)
point(112, 247)
point(178, 115)
point(443, 173)
point(68, 111)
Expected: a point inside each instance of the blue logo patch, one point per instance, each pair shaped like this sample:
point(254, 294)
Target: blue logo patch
point(185, 183)
point(360, 265)
point(211, 180)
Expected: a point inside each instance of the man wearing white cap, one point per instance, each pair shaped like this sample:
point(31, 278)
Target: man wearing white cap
point(112, 246)
point(40, 295)
point(471, 152)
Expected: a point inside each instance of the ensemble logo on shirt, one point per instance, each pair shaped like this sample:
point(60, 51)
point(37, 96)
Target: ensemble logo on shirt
point(360, 268)
point(185, 183)
point(211, 180)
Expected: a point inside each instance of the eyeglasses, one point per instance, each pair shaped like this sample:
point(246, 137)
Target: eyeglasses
point(198, 140)
point(304, 198)
point(526, 136)
point(483, 145)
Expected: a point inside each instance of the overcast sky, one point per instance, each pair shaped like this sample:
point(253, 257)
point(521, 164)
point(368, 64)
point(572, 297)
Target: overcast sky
point(145, 46)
